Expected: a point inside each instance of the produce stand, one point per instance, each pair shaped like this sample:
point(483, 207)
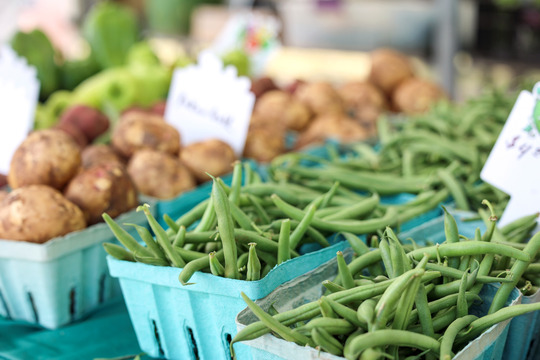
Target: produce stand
point(248, 200)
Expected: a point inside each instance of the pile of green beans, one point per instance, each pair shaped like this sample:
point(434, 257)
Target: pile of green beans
point(243, 230)
point(404, 301)
point(442, 149)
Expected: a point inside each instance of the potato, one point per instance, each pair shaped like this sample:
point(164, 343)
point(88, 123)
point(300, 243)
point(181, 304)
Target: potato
point(159, 174)
point(48, 157)
point(3, 180)
point(416, 96)
point(211, 156)
point(159, 108)
point(320, 98)
point(388, 69)
point(73, 131)
point(99, 154)
point(138, 130)
point(90, 121)
point(264, 142)
point(102, 188)
point(279, 107)
point(361, 93)
point(38, 213)
point(332, 126)
point(262, 85)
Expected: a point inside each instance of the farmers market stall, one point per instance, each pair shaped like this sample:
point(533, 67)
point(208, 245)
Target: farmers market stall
point(180, 207)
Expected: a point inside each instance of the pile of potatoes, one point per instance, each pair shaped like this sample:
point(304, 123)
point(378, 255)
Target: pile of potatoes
point(60, 184)
point(319, 110)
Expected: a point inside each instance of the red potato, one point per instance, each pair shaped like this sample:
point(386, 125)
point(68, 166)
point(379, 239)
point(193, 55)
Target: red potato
point(3, 180)
point(416, 96)
point(90, 121)
point(320, 98)
point(159, 108)
point(102, 188)
point(159, 174)
point(73, 131)
point(211, 156)
point(38, 213)
point(388, 69)
point(278, 107)
point(137, 131)
point(262, 85)
point(99, 154)
point(48, 157)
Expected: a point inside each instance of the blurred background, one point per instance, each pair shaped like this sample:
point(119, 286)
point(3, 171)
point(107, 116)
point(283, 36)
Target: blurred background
point(463, 45)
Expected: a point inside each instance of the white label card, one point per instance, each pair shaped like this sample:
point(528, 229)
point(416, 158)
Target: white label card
point(19, 91)
point(513, 165)
point(208, 101)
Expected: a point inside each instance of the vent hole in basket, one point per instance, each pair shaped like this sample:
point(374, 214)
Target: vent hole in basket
point(4, 305)
point(156, 335)
point(101, 296)
point(33, 306)
point(72, 303)
point(193, 344)
point(228, 339)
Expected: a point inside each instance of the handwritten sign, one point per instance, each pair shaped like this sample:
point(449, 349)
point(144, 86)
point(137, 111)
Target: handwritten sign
point(208, 101)
point(514, 162)
point(19, 91)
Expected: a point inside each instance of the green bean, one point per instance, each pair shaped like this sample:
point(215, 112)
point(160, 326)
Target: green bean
point(313, 233)
point(451, 233)
point(242, 260)
point(392, 295)
point(344, 272)
point(405, 305)
point(346, 313)
point(386, 257)
point(413, 211)
point(118, 252)
point(275, 325)
point(462, 305)
point(450, 334)
point(236, 183)
point(455, 188)
point(151, 260)
point(149, 241)
point(326, 308)
point(215, 266)
point(327, 198)
point(173, 226)
point(226, 229)
point(196, 265)
point(454, 286)
point(301, 229)
point(332, 325)
point(126, 239)
point(284, 252)
point(440, 322)
point(208, 217)
point(485, 322)
point(458, 274)
point(360, 248)
point(326, 341)
point(162, 238)
point(332, 287)
point(355, 210)
point(390, 337)
point(516, 272)
point(423, 311)
point(180, 238)
point(523, 221)
point(193, 215)
point(364, 261)
point(366, 313)
point(188, 255)
point(253, 264)
point(358, 227)
point(400, 261)
point(265, 219)
point(469, 248)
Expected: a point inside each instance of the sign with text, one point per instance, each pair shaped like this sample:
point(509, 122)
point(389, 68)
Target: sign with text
point(514, 162)
point(208, 101)
point(19, 91)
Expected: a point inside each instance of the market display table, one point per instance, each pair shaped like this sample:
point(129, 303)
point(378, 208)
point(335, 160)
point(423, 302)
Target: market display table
point(106, 333)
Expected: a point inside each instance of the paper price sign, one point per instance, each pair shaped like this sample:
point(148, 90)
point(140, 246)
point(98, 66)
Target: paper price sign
point(513, 165)
point(208, 101)
point(19, 91)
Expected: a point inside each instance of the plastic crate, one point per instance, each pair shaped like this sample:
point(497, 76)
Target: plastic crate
point(62, 280)
point(198, 321)
point(488, 346)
